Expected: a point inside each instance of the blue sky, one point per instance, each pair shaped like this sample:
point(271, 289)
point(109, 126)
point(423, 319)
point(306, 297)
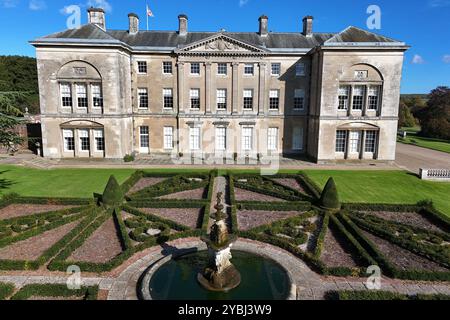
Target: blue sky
point(422, 24)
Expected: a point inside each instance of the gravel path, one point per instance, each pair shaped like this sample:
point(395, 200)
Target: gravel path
point(195, 194)
point(101, 246)
point(246, 195)
point(290, 182)
point(32, 248)
point(249, 219)
point(336, 251)
point(21, 210)
point(185, 216)
point(144, 183)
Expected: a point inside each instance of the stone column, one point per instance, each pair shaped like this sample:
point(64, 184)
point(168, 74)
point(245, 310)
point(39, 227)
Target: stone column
point(208, 91)
point(262, 88)
point(235, 66)
point(363, 144)
point(180, 66)
point(347, 145)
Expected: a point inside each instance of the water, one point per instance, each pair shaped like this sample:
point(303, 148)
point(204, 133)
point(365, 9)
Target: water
point(262, 279)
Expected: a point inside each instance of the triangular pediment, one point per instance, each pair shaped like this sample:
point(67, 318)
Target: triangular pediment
point(221, 44)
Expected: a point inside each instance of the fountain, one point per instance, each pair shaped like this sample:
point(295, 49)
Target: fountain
point(220, 274)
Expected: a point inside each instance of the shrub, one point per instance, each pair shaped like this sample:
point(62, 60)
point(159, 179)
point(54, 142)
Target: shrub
point(113, 195)
point(329, 199)
point(6, 289)
point(365, 295)
point(129, 158)
point(55, 290)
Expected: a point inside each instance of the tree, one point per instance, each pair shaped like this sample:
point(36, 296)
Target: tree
point(9, 138)
point(113, 194)
point(435, 118)
point(329, 198)
point(406, 119)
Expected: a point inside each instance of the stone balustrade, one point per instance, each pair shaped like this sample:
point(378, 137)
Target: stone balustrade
point(435, 174)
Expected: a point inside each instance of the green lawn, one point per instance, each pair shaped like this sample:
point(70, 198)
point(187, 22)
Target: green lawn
point(385, 187)
point(57, 183)
point(429, 143)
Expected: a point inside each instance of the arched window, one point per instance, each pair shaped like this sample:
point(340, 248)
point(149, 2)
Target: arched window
point(80, 88)
point(360, 90)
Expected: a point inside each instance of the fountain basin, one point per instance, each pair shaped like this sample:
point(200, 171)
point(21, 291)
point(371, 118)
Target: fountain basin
point(175, 278)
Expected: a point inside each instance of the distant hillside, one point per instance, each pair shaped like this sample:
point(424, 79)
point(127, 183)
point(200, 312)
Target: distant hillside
point(409, 96)
point(18, 74)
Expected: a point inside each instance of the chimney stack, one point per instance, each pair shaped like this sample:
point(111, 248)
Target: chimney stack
point(308, 26)
point(133, 22)
point(97, 16)
point(183, 25)
point(263, 25)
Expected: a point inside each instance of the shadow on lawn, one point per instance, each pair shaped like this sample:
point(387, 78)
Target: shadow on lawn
point(5, 183)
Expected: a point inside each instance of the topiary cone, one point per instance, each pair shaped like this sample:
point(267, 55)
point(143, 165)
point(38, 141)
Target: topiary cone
point(329, 199)
point(113, 195)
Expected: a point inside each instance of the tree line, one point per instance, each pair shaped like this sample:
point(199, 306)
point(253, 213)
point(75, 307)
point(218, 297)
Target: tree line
point(431, 113)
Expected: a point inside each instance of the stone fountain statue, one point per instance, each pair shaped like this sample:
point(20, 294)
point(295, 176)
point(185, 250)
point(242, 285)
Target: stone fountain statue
point(220, 274)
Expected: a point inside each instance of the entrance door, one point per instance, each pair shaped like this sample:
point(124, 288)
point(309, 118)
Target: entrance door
point(355, 142)
point(144, 140)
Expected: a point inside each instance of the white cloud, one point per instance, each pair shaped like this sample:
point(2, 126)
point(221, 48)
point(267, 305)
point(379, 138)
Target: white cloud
point(104, 4)
point(243, 2)
point(446, 58)
point(418, 59)
point(36, 5)
point(9, 3)
point(439, 3)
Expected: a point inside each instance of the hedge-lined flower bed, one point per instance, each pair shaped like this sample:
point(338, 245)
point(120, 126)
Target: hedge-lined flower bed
point(387, 266)
point(55, 291)
point(300, 206)
point(428, 244)
point(54, 249)
point(171, 185)
point(267, 187)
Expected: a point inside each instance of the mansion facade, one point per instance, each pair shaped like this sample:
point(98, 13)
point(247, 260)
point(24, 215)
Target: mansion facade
point(108, 93)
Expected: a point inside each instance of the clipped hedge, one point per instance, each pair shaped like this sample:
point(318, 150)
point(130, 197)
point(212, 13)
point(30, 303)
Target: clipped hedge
point(125, 240)
point(384, 229)
point(171, 185)
point(55, 290)
point(53, 250)
point(54, 201)
point(60, 265)
point(152, 203)
point(131, 181)
point(308, 184)
point(389, 268)
point(300, 206)
point(321, 237)
point(234, 220)
point(6, 289)
point(264, 185)
point(380, 295)
point(151, 217)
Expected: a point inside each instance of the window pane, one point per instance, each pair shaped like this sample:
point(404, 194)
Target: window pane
point(276, 69)
point(248, 99)
point(247, 138)
point(142, 66)
point(355, 141)
point(194, 138)
point(249, 69)
point(66, 94)
point(358, 97)
point(299, 99)
point(168, 98)
point(167, 67)
point(69, 141)
point(274, 100)
point(97, 99)
point(272, 139)
point(84, 139)
point(300, 69)
point(143, 98)
point(99, 140)
point(297, 138)
point(343, 97)
point(82, 96)
point(221, 140)
point(222, 68)
point(195, 68)
point(221, 99)
point(341, 140)
point(195, 98)
point(371, 138)
point(144, 137)
point(168, 138)
point(373, 97)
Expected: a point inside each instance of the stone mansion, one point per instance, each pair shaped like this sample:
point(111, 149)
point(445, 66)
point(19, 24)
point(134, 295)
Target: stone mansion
point(108, 93)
